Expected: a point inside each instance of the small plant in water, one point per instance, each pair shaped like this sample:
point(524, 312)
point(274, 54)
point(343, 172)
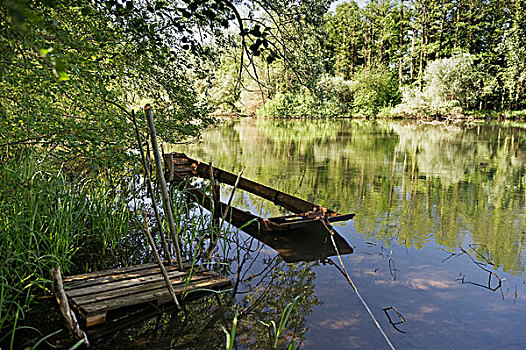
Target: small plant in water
point(275, 332)
point(231, 336)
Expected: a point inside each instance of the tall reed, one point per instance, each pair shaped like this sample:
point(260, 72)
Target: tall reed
point(46, 219)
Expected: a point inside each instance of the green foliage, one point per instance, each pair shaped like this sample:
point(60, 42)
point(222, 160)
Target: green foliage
point(513, 48)
point(71, 75)
point(372, 90)
point(450, 85)
point(455, 79)
point(223, 91)
point(367, 93)
point(424, 104)
point(300, 105)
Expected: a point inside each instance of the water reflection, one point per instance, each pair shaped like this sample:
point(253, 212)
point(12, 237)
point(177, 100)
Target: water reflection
point(405, 181)
point(309, 243)
point(264, 285)
point(438, 211)
point(421, 194)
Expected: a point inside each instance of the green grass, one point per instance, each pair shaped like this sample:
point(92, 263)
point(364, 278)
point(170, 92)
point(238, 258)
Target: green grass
point(47, 218)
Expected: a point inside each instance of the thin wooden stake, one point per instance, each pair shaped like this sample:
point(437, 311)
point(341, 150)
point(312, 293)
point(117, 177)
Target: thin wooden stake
point(353, 286)
point(216, 197)
point(223, 219)
point(159, 261)
point(62, 300)
point(151, 192)
point(164, 188)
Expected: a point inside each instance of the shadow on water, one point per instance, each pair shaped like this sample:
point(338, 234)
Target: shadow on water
point(264, 284)
point(310, 243)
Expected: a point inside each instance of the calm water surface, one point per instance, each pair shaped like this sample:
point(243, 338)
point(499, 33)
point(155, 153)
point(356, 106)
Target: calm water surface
point(439, 210)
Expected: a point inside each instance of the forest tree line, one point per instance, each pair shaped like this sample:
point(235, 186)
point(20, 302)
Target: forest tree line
point(418, 57)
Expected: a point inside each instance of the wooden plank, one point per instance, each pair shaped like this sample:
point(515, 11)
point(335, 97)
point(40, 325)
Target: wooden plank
point(108, 272)
point(95, 319)
point(153, 269)
point(116, 277)
point(84, 301)
point(99, 288)
point(184, 167)
point(160, 295)
point(177, 158)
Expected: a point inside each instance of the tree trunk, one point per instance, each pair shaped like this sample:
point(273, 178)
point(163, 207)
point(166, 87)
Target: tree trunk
point(401, 44)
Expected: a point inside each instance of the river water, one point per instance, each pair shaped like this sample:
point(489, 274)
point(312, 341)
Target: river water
point(438, 233)
point(438, 254)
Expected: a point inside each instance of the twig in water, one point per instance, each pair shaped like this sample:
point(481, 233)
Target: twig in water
point(392, 267)
point(486, 259)
point(491, 273)
point(451, 255)
point(394, 324)
point(353, 286)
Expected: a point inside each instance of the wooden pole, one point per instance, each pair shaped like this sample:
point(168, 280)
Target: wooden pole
point(62, 300)
point(216, 240)
point(151, 192)
point(162, 182)
point(216, 197)
point(159, 261)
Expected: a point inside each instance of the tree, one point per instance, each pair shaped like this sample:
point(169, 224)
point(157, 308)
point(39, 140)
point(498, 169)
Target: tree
point(345, 29)
point(72, 75)
point(450, 85)
point(513, 48)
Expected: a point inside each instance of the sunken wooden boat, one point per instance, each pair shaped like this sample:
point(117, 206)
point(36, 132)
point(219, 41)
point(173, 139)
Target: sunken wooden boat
point(302, 236)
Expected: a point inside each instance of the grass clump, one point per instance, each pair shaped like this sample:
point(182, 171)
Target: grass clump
point(48, 218)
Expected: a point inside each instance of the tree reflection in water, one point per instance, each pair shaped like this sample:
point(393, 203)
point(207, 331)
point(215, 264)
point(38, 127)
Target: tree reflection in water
point(263, 287)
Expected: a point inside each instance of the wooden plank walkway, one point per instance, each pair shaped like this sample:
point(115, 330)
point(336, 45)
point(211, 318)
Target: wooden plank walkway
point(94, 294)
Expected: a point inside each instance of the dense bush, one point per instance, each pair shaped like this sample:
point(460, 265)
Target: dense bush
point(303, 104)
point(373, 89)
point(367, 93)
point(450, 86)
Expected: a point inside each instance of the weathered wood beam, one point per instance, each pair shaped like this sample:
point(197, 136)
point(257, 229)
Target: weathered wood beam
point(63, 304)
point(237, 217)
point(184, 164)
